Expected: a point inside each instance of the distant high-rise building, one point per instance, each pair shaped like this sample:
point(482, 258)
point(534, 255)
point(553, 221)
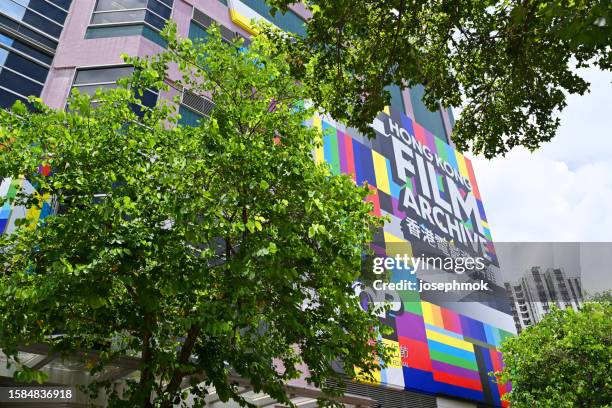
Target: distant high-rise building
point(533, 295)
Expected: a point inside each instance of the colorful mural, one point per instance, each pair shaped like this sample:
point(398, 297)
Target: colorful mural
point(429, 191)
point(441, 188)
point(10, 213)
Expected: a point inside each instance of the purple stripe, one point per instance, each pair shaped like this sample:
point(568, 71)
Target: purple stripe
point(454, 370)
point(396, 211)
point(342, 152)
point(411, 326)
point(378, 250)
point(431, 143)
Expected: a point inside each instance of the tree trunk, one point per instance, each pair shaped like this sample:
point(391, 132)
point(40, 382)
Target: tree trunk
point(146, 375)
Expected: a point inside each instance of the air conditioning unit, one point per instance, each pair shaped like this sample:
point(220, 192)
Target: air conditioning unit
point(197, 103)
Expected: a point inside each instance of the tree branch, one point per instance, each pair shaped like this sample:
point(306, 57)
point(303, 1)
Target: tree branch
point(183, 359)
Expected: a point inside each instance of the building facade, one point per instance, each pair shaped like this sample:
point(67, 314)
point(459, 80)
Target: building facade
point(533, 295)
point(444, 348)
point(29, 37)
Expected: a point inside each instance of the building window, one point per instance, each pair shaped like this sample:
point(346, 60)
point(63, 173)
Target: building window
point(23, 71)
point(200, 23)
point(37, 21)
point(30, 33)
point(128, 16)
point(197, 33)
point(134, 15)
point(88, 80)
point(45, 16)
point(127, 31)
point(189, 117)
point(22, 30)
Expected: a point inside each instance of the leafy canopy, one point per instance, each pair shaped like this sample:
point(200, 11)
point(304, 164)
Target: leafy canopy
point(508, 63)
point(563, 361)
point(204, 251)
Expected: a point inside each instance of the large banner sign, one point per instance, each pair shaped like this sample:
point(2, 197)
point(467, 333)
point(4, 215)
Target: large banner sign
point(417, 178)
point(429, 192)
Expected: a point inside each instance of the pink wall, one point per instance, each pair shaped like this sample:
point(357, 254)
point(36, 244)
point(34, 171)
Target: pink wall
point(75, 51)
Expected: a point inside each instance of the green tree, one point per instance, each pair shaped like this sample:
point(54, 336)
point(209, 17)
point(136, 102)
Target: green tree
point(509, 63)
point(563, 361)
point(204, 251)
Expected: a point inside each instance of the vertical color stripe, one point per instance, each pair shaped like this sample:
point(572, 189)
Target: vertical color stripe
point(350, 156)
point(319, 155)
point(462, 166)
point(470, 169)
point(380, 170)
point(342, 152)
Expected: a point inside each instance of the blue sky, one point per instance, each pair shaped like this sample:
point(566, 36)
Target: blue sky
point(563, 191)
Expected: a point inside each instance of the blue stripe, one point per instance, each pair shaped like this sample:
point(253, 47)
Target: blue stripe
point(450, 350)
point(5, 211)
point(489, 334)
point(364, 165)
point(395, 188)
point(457, 391)
point(443, 331)
point(489, 367)
point(327, 151)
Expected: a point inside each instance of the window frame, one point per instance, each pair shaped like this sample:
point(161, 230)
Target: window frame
point(16, 31)
point(120, 9)
point(146, 9)
point(23, 54)
point(102, 83)
point(29, 25)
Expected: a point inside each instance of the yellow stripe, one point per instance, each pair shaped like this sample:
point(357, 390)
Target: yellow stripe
point(427, 315)
point(380, 170)
point(390, 238)
point(399, 245)
point(451, 341)
point(461, 162)
point(387, 110)
point(361, 377)
point(242, 21)
point(32, 215)
point(437, 315)
point(395, 360)
point(319, 154)
point(432, 314)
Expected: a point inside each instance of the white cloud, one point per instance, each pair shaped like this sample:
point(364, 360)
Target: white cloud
point(563, 192)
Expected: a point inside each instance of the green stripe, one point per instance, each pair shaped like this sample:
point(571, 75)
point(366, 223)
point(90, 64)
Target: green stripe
point(12, 191)
point(453, 360)
point(412, 301)
point(409, 184)
point(504, 334)
point(441, 147)
point(440, 183)
point(335, 159)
